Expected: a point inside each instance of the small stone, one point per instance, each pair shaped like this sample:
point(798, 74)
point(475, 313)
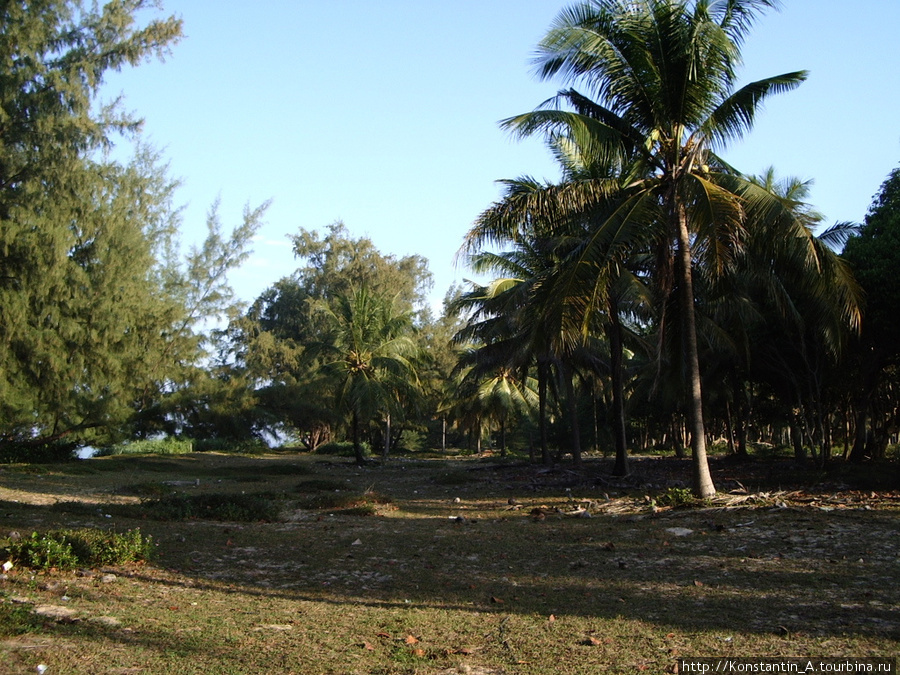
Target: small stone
point(679, 531)
point(108, 579)
point(62, 614)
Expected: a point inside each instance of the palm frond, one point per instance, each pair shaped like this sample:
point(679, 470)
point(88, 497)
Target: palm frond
point(734, 116)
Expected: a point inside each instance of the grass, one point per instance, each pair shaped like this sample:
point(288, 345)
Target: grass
point(446, 576)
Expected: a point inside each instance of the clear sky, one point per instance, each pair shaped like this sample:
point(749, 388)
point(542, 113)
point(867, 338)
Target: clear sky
point(383, 114)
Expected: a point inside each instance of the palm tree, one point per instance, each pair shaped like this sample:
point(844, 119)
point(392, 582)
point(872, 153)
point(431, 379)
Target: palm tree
point(807, 299)
point(369, 352)
point(663, 73)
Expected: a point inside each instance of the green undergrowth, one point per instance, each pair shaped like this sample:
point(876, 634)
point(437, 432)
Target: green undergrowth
point(349, 503)
point(70, 549)
point(213, 506)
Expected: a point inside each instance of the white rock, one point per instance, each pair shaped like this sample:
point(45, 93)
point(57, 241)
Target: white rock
point(679, 531)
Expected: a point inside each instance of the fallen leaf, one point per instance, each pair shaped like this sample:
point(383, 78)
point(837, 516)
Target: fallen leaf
point(368, 646)
point(496, 600)
point(551, 618)
point(383, 635)
point(593, 642)
point(419, 652)
point(411, 639)
point(697, 583)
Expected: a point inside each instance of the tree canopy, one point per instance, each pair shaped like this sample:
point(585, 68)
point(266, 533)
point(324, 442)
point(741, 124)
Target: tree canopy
point(99, 316)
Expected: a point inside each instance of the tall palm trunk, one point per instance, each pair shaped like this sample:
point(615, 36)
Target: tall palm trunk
point(543, 368)
point(702, 480)
point(572, 404)
point(357, 446)
point(614, 333)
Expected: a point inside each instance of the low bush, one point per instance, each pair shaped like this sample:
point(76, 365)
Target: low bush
point(48, 453)
point(348, 503)
point(227, 507)
point(677, 497)
point(248, 446)
point(342, 449)
point(68, 549)
point(168, 445)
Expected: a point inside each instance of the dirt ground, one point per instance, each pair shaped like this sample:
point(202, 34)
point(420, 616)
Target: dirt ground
point(782, 561)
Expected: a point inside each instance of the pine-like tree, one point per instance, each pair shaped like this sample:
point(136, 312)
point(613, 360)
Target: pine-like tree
point(80, 305)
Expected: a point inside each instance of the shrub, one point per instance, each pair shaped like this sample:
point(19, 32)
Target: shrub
point(228, 507)
point(677, 497)
point(364, 504)
point(411, 441)
point(168, 445)
point(247, 446)
point(68, 549)
point(48, 453)
point(342, 449)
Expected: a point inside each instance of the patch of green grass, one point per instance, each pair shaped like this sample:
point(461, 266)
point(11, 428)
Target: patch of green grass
point(17, 619)
point(225, 507)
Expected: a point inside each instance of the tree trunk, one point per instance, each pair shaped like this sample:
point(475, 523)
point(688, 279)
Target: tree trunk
point(702, 479)
point(542, 410)
point(357, 446)
point(678, 436)
point(741, 427)
point(387, 437)
point(729, 432)
point(569, 376)
point(614, 334)
point(858, 453)
point(797, 439)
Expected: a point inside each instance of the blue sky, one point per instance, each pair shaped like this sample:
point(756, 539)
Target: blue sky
point(384, 114)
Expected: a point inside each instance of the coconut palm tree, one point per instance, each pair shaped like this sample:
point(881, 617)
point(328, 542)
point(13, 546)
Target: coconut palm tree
point(504, 323)
point(663, 75)
point(369, 353)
